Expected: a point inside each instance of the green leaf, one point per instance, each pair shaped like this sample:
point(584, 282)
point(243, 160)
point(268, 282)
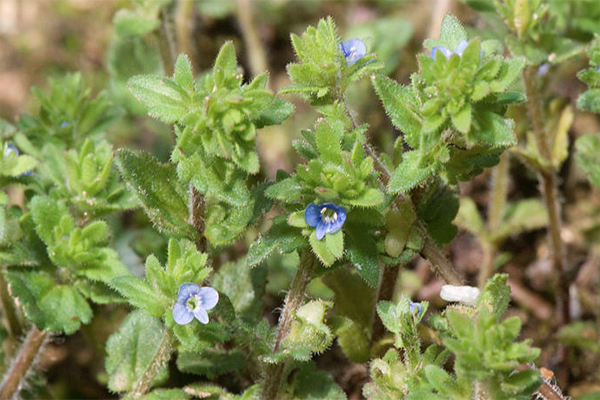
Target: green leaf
point(321, 249)
point(368, 198)
point(46, 214)
point(387, 312)
point(335, 243)
point(183, 74)
point(141, 295)
point(443, 382)
point(462, 120)
point(49, 305)
point(409, 173)
point(287, 190)
point(130, 23)
point(312, 384)
point(589, 101)
point(438, 208)
point(491, 130)
point(522, 383)
point(166, 394)
point(509, 73)
point(281, 236)
point(526, 215)
point(155, 184)
point(580, 334)
point(468, 216)
point(402, 107)
point(130, 352)
point(164, 98)
point(361, 250)
point(351, 338)
point(587, 148)
point(211, 362)
point(225, 65)
point(274, 114)
point(495, 295)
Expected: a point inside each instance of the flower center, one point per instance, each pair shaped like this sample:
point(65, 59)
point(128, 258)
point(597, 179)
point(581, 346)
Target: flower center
point(193, 303)
point(328, 215)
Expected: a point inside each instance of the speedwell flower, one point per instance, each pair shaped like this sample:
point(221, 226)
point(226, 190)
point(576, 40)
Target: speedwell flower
point(326, 217)
point(194, 301)
point(414, 306)
point(462, 45)
point(353, 50)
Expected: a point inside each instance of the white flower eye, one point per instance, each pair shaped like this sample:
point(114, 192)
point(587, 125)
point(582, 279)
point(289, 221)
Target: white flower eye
point(464, 294)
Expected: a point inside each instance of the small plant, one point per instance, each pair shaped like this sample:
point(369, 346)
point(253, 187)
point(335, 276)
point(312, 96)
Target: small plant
point(183, 253)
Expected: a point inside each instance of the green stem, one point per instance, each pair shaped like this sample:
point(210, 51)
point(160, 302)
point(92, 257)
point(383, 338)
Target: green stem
point(256, 53)
point(161, 358)
point(439, 262)
point(549, 190)
point(197, 206)
point(29, 351)
point(183, 23)
point(495, 214)
point(14, 326)
point(293, 300)
point(167, 44)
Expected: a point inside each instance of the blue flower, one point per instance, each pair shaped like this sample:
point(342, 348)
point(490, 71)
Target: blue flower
point(194, 301)
point(353, 50)
point(414, 306)
point(447, 52)
point(543, 69)
point(598, 70)
point(326, 217)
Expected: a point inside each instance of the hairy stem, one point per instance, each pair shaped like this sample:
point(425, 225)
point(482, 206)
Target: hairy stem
point(161, 358)
point(546, 390)
point(256, 52)
point(30, 349)
point(548, 180)
point(167, 42)
point(197, 205)
point(13, 322)
point(183, 26)
point(495, 214)
point(293, 300)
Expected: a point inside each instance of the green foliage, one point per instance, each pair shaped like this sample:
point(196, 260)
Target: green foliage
point(13, 166)
point(155, 295)
point(590, 99)
point(163, 197)
point(587, 147)
point(323, 76)
point(311, 384)
point(68, 116)
point(131, 350)
point(308, 334)
point(446, 115)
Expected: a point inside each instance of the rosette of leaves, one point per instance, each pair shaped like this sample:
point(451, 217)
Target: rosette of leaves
point(68, 116)
point(66, 264)
point(92, 184)
point(452, 114)
point(217, 113)
point(337, 172)
point(323, 76)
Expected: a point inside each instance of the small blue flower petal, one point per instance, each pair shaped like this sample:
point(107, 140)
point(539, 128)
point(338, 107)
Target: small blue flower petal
point(543, 69)
point(443, 49)
point(181, 314)
point(312, 214)
point(461, 47)
point(414, 306)
point(64, 124)
point(353, 50)
point(187, 290)
point(321, 230)
point(209, 297)
point(201, 315)
point(11, 149)
point(598, 70)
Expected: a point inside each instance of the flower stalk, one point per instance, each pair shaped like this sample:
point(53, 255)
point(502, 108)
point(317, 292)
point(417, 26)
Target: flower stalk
point(293, 301)
point(197, 206)
point(547, 178)
point(18, 371)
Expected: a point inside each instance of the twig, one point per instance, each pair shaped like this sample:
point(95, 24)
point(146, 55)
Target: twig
point(293, 300)
point(29, 351)
point(197, 205)
point(183, 23)
point(8, 307)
